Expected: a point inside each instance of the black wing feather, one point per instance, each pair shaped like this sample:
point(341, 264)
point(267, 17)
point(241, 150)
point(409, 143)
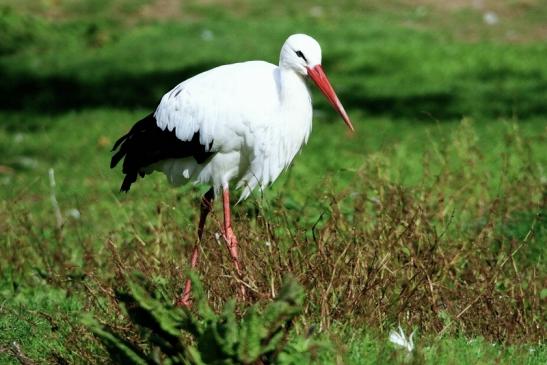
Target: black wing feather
point(146, 144)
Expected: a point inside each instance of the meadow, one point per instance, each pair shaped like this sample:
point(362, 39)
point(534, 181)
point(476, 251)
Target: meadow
point(431, 216)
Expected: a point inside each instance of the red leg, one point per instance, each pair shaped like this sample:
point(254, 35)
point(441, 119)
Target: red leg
point(229, 235)
point(206, 206)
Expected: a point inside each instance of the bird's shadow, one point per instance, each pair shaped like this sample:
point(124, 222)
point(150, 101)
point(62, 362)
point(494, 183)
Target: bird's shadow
point(29, 92)
point(36, 94)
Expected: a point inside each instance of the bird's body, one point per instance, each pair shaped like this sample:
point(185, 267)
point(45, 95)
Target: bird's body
point(251, 143)
point(237, 125)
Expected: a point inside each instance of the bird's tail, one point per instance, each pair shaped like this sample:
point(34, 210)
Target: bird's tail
point(146, 144)
point(132, 147)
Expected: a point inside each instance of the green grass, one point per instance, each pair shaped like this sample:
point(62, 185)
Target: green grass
point(384, 68)
point(366, 349)
point(431, 215)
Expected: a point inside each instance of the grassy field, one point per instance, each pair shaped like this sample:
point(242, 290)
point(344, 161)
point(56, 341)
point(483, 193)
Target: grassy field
point(430, 217)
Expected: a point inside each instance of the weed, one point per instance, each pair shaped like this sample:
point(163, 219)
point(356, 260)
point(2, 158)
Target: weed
point(259, 337)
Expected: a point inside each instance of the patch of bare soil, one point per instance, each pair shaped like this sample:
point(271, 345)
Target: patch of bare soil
point(162, 10)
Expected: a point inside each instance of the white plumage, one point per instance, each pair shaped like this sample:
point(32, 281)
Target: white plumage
point(399, 338)
point(254, 139)
point(235, 125)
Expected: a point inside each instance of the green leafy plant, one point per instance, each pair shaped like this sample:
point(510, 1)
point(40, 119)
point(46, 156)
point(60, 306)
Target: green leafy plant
point(173, 335)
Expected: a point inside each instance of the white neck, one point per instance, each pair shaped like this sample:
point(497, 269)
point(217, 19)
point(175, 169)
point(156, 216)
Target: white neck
point(292, 88)
point(293, 126)
point(284, 135)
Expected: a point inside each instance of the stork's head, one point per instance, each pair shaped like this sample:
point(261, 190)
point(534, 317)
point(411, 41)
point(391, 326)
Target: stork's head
point(302, 54)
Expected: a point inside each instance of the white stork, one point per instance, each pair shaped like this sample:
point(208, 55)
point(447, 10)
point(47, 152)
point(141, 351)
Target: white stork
point(238, 125)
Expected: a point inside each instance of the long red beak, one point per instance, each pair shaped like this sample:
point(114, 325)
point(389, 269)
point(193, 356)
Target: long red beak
point(318, 76)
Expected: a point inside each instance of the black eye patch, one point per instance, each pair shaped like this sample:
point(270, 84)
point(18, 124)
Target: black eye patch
point(301, 55)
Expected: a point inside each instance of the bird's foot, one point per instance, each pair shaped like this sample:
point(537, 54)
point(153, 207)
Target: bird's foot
point(231, 241)
point(184, 301)
point(242, 292)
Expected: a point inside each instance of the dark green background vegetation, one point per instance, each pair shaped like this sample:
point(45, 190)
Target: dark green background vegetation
point(431, 216)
